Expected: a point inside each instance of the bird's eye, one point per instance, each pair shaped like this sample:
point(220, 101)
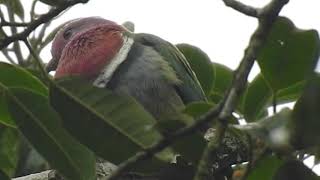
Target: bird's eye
point(67, 34)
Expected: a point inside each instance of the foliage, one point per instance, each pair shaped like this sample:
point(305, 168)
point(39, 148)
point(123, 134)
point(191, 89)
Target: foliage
point(69, 121)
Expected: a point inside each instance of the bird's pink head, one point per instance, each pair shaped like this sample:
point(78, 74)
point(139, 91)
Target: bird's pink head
point(84, 46)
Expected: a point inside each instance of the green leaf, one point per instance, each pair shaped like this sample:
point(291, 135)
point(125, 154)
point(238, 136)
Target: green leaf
point(289, 55)
point(169, 126)
point(116, 119)
point(223, 79)
point(305, 124)
point(9, 149)
point(14, 76)
point(291, 93)
point(295, 170)
point(42, 126)
point(15, 6)
point(196, 109)
point(184, 144)
point(257, 98)
point(265, 168)
point(191, 147)
point(200, 64)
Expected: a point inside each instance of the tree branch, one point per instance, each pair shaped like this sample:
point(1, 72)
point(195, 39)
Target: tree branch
point(14, 24)
point(42, 19)
point(37, 60)
point(38, 176)
point(223, 111)
point(244, 9)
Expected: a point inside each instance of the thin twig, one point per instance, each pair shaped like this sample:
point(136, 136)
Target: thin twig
point(38, 62)
point(250, 160)
point(14, 24)
point(143, 155)
point(245, 9)
point(8, 57)
point(32, 11)
point(42, 19)
point(16, 45)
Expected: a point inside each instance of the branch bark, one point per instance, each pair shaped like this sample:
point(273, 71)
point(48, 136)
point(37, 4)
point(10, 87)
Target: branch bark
point(222, 112)
point(42, 19)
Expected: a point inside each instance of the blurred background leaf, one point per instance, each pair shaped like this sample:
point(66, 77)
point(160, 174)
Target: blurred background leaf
point(15, 76)
point(42, 126)
point(200, 64)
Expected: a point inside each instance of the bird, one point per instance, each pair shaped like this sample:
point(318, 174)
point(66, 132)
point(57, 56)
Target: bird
point(150, 69)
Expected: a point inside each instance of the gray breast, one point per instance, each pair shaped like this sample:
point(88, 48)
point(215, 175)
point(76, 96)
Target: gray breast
point(143, 75)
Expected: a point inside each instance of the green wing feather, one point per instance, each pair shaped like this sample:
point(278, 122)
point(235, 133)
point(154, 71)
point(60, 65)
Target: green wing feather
point(189, 89)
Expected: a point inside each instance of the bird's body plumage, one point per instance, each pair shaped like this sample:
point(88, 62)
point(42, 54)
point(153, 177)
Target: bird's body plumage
point(148, 68)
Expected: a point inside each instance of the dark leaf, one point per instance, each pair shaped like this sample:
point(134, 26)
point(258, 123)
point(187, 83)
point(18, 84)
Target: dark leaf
point(14, 76)
point(42, 127)
point(257, 99)
point(305, 124)
point(265, 168)
point(289, 54)
point(115, 119)
point(222, 81)
point(196, 109)
point(295, 170)
point(200, 64)
point(9, 149)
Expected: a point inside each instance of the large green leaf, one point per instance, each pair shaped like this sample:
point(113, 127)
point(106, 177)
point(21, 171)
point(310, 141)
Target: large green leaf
point(15, 6)
point(292, 93)
point(14, 76)
point(222, 81)
point(106, 118)
point(256, 99)
point(196, 109)
point(9, 149)
point(223, 77)
point(305, 120)
point(259, 97)
point(42, 127)
point(200, 64)
point(265, 168)
point(289, 55)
